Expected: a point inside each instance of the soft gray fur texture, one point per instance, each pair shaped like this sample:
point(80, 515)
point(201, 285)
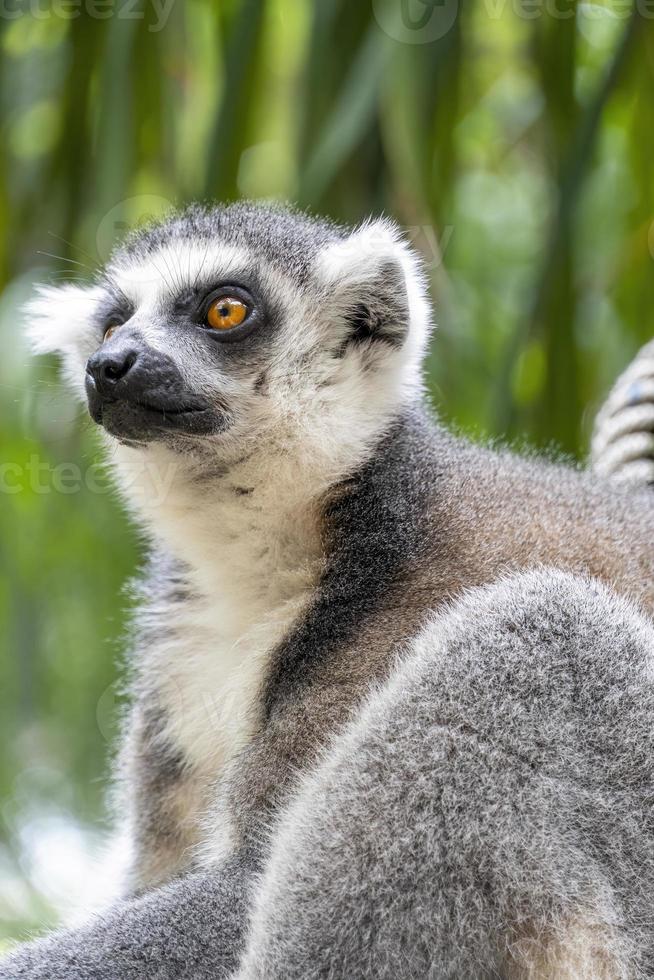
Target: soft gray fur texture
point(313, 526)
point(489, 811)
point(190, 929)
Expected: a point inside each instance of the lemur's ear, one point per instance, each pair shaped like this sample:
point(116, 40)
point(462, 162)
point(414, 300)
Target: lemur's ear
point(377, 287)
point(60, 320)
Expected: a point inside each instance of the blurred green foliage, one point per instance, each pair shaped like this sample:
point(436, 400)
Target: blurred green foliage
point(513, 139)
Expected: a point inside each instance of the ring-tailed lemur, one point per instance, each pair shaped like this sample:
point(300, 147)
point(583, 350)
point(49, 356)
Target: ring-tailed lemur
point(257, 375)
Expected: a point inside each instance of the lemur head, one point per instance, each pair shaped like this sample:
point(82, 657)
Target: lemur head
point(229, 330)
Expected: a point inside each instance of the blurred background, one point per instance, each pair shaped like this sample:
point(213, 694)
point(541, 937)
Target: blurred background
point(513, 140)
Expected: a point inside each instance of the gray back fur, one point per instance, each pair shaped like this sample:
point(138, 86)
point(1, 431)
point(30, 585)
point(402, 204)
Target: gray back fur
point(488, 813)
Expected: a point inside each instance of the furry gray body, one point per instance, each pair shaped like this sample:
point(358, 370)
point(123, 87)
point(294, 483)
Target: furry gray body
point(402, 539)
point(457, 818)
point(489, 812)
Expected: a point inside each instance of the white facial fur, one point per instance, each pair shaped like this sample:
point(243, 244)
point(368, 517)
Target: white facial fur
point(317, 407)
point(240, 508)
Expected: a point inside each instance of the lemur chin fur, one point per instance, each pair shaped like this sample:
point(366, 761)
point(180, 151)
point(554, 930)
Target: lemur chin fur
point(308, 517)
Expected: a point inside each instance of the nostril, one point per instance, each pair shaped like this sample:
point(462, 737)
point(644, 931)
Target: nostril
point(115, 368)
point(107, 370)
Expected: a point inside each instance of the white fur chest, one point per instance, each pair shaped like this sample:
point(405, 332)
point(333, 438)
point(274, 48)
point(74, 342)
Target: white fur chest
point(212, 667)
point(252, 570)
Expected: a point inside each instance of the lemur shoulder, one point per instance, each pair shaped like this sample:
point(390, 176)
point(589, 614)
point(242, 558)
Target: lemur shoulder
point(257, 376)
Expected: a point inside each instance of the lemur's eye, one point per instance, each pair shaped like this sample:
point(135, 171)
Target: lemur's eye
point(109, 331)
point(226, 312)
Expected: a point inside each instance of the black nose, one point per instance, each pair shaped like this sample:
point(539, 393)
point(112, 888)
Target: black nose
point(110, 365)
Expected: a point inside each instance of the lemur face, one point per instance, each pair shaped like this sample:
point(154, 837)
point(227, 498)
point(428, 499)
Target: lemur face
point(237, 323)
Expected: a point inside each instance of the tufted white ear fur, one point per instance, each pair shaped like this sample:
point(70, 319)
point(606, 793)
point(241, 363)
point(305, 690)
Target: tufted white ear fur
point(375, 266)
point(59, 320)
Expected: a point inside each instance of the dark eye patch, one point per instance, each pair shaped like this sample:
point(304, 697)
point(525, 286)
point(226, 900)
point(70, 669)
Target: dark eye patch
point(187, 302)
point(113, 309)
point(193, 301)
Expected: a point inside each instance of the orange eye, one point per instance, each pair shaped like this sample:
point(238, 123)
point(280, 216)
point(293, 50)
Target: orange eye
point(109, 331)
point(226, 312)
